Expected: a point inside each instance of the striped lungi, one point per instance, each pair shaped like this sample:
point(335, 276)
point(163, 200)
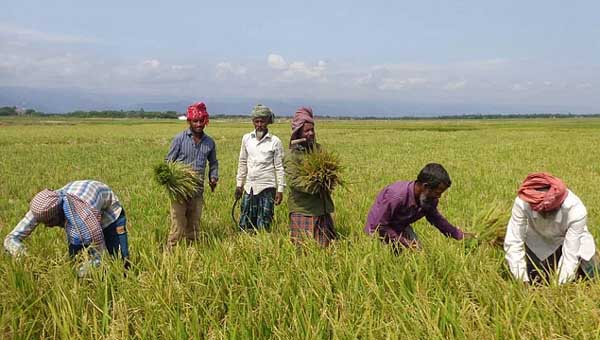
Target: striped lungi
point(319, 228)
point(257, 210)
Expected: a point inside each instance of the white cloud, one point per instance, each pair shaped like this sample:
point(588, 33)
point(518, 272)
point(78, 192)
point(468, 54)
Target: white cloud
point(299, 70)
point(24, 34)
point(483, 64)
point(493, 80)
point(400, 84)
point(224, 69)
point(403, 68)
point(584, 86)
point(396, 77)
point(363, 80)
point(458, 85)
point(523, 86)
point(276, 61)
point(181, 67)
point(152, 63)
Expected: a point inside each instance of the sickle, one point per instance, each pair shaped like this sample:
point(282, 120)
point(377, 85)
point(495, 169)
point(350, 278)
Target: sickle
point(233, 212)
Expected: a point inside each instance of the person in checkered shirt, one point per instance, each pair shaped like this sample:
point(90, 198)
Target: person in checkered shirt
point(90, 213)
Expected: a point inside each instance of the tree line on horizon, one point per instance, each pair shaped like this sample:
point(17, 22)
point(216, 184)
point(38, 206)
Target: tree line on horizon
point(141, 113)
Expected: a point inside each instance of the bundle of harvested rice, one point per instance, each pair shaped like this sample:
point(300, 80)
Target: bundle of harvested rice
point(318, 171)
point(490, 224)
point(179, 180)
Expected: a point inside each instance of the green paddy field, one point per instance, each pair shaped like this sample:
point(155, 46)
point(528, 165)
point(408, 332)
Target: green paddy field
point(231, 285)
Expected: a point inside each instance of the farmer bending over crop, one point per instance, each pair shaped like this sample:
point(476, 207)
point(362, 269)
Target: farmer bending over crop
point(260, 174)
point(400, 204)
point(90, 213)
point(548, 231)
point(310, 210)
point(195, 148)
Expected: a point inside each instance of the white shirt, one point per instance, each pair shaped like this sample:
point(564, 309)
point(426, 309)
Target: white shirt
point(260, 164)
point(544, 235)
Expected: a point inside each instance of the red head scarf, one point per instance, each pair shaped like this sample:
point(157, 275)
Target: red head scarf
point(197, 111)
point(541, 200)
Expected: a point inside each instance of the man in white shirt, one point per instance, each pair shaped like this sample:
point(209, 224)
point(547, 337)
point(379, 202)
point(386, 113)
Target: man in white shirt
point(260, 176)
point(548, 231)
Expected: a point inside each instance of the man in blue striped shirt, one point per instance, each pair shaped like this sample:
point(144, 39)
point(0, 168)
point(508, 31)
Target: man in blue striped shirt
point(195, 148)
point(88, 210)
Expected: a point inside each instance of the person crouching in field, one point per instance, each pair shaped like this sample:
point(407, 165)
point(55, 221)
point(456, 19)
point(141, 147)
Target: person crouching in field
point(402, 203)
point(260, 174)
point(88, 210)
point(548, 231)
point(310, 212)
point(195, 148)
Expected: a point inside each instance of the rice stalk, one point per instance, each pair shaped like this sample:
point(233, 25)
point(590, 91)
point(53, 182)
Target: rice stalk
point(490, 224)
point(319, 171)
point(180, 181)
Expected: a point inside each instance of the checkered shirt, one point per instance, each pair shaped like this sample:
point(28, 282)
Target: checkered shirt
point(95, 194)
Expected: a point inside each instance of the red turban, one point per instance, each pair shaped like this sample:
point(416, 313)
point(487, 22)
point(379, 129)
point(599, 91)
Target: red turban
point(533, 191)
point(197, 111)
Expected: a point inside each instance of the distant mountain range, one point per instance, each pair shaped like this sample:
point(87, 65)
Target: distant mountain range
point(69, 100)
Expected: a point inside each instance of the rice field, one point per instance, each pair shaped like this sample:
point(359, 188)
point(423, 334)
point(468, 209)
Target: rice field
point(230, 285)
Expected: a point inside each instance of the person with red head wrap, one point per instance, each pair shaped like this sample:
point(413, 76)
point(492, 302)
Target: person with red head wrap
point(196, 148)
point(310, 212)
point(197, 111)
point(548, 231)
point(543, 192)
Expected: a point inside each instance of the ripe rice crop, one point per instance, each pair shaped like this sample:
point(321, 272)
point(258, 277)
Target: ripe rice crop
point(230, 285)
point(179, 180)
point(318, 171)
point(490, 223)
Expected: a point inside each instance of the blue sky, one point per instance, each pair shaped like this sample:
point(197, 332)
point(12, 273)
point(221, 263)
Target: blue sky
point(522, 53)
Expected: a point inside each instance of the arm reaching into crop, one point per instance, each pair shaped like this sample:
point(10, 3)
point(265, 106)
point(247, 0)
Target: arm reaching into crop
point(13, 243)
point(578, 244)
point(441, 223)
point(514, 242)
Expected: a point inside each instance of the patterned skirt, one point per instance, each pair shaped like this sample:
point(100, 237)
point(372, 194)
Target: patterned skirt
point(257, 210)
point(319, 228)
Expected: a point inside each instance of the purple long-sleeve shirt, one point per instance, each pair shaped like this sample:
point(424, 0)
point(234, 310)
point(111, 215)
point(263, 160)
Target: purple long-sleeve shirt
point(395, 209)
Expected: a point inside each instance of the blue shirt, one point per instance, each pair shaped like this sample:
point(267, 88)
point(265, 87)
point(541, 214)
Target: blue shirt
point(184, 149)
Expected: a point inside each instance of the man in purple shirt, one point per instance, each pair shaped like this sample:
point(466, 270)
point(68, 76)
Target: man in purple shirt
point(400, 204)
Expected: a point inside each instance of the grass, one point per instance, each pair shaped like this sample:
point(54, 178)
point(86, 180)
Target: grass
point(232, 285)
